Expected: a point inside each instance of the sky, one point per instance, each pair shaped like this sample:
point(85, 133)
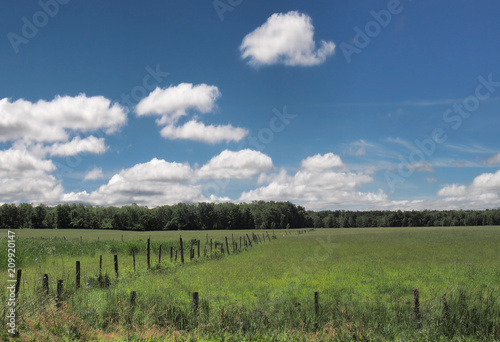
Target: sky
point(356, 105)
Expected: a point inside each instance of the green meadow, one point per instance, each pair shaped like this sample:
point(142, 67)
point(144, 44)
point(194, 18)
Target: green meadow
point(364, 279)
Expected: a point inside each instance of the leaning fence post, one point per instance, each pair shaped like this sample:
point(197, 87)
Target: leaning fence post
point(18, 281)
point(116, 265)
point(159, 255)
point(232, 240)
point(249, 241)
point(227, 247)
point(77, 275)
point(171, 253)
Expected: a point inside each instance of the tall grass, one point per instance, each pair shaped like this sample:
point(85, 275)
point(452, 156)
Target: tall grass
point(364, 278)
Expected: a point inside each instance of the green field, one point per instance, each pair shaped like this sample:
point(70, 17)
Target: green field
point(364, 277)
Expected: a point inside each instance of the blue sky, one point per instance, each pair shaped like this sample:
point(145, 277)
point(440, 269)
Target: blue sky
point(328, 104)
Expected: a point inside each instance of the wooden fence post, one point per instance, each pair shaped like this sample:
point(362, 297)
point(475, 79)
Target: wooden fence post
point(45, 284)
point(116, 265)
point(210, 247)
point(133, 258)
point(100, 265)
point(316, 308)
point(196, 302)
point(182, 251)
point(232, 240)
point(416, 305)
point(316, 303)
point(446, 311)
point(133, 295)
point(249, 241)
point(159, 255)
point(171, 253)
point(78, 275)
point(59, 293)
point(199, 243)
point(227, 246)
point(148, 252)
point(18, 281)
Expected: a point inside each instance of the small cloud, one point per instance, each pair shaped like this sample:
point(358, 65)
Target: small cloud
point(431, 180)
point(78, 145)
point(174, 102)
point(94, 174)
point(197, 131)
point(285, 38)
point(238, 165)
point(494, 159)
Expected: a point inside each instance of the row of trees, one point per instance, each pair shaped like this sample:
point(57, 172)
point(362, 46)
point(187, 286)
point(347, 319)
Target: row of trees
point(203, 216)
point(426, 218)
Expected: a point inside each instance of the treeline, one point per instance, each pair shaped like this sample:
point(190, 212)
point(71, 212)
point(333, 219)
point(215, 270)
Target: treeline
point(426, 218)
point(201, 216)
point(207, 216)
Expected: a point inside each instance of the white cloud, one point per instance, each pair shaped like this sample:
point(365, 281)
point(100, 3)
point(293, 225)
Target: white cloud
point(482, 193)
point(322, 182)
point(50, 121)
point(194, 130)
point(26, 177)
point(154, 183)
point(14, 160)
point(95, 173)
point(237, 165)
point(174, 102)
point(322, 162)
point(78, 145)
point(286, 38)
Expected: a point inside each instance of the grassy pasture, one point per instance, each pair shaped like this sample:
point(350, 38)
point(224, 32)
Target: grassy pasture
point(365, 279)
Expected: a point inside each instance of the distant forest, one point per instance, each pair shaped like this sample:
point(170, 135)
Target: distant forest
point(206, 216)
